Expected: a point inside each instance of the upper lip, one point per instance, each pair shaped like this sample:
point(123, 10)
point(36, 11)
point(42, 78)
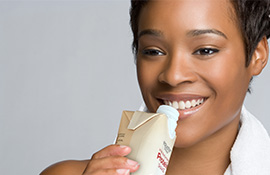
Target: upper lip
point(179, 97)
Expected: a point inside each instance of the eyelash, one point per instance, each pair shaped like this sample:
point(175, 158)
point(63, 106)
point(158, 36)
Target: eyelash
point(205, 51)
point(201, 51)
point(152, 52)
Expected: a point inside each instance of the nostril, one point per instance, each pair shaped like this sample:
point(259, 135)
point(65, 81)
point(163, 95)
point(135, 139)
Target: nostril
point(176, 72)
point(174, 79)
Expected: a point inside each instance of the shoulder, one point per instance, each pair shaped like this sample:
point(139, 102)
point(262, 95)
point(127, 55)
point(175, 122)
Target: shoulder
point(69, 167)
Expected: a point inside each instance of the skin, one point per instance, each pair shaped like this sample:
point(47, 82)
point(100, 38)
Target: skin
point(108, 161)
point(187, 49)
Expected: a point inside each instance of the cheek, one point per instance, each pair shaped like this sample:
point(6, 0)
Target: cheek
point(227, 75)
point(147, 77)
point(147, 73)
point(229, 79)
point(143, 75)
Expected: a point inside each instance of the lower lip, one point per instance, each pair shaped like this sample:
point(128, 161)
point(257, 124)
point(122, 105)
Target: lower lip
point(188, 112)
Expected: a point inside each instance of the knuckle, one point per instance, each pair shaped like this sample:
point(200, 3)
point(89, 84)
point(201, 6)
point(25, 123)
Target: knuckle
point(91, 164)
point(124, 160)
point(119, 160)
point(103, 152)
point(110, 171)
point(94, 156)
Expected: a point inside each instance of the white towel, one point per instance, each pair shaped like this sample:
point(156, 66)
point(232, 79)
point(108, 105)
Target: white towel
point(250, 154)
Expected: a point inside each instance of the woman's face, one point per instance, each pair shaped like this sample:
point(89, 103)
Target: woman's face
point(191, 56)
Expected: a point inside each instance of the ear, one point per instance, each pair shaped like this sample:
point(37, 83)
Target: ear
point(260, 57)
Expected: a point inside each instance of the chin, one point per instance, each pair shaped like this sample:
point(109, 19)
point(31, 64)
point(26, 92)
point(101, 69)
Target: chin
point(185, 143)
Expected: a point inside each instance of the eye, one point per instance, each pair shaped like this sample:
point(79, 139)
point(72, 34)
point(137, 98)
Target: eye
point(153, 52)
point(206, 51)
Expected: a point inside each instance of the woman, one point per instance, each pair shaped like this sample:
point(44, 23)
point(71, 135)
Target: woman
point(190, 50)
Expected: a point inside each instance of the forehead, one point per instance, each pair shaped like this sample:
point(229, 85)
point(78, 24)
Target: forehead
point(189, 14)
point(191, 5)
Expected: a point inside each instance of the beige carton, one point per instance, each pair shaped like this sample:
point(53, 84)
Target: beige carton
point(148, 136)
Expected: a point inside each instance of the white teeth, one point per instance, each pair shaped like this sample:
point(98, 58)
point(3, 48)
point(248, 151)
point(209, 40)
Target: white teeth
point(184, 105)
point(175, 104)
point(188, 104)
point(193, 103)
point(201, 101)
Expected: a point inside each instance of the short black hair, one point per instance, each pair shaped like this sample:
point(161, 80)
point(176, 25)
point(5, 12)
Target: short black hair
point(252, 17)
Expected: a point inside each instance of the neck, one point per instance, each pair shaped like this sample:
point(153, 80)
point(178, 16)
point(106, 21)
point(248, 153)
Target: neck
point(210, 156)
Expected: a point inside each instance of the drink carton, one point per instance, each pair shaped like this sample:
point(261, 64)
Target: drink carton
point(151, 137)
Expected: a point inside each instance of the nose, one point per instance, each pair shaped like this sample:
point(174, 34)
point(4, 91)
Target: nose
point(178, 70)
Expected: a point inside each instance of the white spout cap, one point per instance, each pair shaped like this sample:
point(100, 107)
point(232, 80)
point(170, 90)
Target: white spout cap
point(172, 115)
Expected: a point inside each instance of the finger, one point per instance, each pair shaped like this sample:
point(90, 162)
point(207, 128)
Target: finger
point(112, 150)
point(113, 162)
point(109, 172)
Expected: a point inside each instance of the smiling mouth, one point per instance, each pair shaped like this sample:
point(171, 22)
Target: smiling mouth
point(185, 104)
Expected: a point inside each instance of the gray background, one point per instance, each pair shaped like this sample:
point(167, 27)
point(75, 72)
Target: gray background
point(66, 74)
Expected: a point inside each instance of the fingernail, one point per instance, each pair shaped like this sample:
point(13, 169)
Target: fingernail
point(132, 163)
point(122, 171)
point(123, 146)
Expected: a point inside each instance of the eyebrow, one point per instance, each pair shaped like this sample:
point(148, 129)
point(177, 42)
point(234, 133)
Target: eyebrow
point(153, 32)
point(191, 33)
point(194, 33)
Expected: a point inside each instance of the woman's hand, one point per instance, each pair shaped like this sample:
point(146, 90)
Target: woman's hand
point(111, 161)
